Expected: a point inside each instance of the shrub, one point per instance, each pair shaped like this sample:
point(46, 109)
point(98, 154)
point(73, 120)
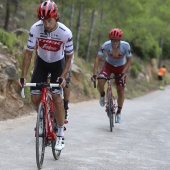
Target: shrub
point(135, 69)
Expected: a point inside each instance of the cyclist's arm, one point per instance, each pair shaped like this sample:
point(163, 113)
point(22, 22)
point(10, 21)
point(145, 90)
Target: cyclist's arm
point(68, 59)
point(96, 64)
point(127, 65)
point(26, 62)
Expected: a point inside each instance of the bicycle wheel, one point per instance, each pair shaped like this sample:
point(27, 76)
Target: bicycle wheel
point(40, 136)
point(56, 153)
point(110, 113)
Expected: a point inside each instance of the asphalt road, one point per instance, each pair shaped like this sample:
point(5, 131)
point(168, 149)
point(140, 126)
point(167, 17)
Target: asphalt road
point(141, 142)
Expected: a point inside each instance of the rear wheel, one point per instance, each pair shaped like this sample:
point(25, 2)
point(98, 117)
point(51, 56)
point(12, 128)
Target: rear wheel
point(40, 136)
point(110, 112)
point(56, 153)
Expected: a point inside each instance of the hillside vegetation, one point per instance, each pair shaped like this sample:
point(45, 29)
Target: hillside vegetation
point(145, 25)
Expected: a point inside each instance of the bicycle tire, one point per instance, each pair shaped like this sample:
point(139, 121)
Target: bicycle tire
point(56, 154)
point(110, 113)
point(40, 136)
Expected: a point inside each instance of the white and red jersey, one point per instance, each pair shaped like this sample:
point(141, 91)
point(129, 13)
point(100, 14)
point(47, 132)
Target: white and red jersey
point(125, 52)
point(50, 46)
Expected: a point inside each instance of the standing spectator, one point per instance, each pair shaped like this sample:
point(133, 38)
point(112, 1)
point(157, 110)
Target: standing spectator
point(161, 74)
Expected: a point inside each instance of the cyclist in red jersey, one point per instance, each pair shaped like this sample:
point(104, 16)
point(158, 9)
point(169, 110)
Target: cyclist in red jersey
point(118, 61)
point(53, 40)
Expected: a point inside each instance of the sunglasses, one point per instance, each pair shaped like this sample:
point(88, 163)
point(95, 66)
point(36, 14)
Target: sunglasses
point(115, 41)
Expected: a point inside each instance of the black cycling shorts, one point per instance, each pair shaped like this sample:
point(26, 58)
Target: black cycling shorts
point(41, 71)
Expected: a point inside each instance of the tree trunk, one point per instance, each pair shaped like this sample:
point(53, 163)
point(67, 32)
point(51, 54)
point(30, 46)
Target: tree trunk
point(16, 7)
point(78, 27)
point(7, 15)
point(90, 36)
point(161, 55)
point(101, 20)
point(71, 16)
point(62, 12)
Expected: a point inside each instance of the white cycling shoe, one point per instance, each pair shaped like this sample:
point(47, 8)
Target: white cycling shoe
point(119, 118)
point(102, 101)
point(59, 143)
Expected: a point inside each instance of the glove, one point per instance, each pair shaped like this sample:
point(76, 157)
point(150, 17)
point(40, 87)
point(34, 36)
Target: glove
point(93, 78)
point(122, 75)
point(22, 82)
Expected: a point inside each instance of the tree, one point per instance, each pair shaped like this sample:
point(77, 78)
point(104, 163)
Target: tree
point(90, 36)
point(7, 15)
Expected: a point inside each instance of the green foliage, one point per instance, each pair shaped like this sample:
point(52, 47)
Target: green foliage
point(86, 87)
point(8, 39)
point(166, 49)
point(135, 69)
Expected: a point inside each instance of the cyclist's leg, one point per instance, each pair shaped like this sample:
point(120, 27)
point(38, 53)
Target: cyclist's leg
point(39, 75)
point(67, 97)
point(105, 72)
point(120, 85)
point(56, 70)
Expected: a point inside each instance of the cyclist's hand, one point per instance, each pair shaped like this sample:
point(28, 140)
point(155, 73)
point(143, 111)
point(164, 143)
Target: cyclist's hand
point(93, 78)
point(122, 79)
point(122, 75)
point(61, 81)
point(21, 81)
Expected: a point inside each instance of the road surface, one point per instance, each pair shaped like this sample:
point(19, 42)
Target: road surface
point(141, 142)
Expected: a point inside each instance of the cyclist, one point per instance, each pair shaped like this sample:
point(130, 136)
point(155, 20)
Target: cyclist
point(118, 61)
point(52, 39)
point(66, 90)
point(161, 74)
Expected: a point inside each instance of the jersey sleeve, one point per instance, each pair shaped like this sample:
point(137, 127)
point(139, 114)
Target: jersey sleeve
point(31, 39)
point(101, 52)
point(69, 43)
point(128, 51)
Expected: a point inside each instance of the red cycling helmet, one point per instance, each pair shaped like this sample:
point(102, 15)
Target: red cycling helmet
point(115, 34)
point(46, 10)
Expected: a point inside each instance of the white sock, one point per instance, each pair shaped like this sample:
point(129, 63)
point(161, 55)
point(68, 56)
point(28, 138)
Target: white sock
point(60, 131)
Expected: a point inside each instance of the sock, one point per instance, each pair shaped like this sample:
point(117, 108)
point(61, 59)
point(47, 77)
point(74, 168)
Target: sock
point(102, 94)
point(119, 110)
point(60, 131)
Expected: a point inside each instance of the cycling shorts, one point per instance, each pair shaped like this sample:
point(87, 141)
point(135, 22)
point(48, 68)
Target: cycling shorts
point(109, 69)
point(160, 78)
point(41, 71)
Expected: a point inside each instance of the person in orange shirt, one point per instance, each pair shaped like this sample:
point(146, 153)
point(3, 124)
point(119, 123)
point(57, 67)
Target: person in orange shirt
point(161, 74)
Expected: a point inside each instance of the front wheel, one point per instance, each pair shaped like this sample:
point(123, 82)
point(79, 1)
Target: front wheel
point(110, 111)
point(40, 136)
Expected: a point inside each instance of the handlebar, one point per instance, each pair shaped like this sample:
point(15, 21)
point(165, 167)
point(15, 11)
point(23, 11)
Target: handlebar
point(42, 85)
point(107, 78)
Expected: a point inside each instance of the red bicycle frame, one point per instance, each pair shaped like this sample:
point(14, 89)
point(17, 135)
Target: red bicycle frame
point(46, 98)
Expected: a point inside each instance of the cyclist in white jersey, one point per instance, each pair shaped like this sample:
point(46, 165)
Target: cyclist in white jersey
point(118, 60)
point(52, 40)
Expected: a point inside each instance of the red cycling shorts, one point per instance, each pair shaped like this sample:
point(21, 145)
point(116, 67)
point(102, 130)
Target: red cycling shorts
point(108, 69)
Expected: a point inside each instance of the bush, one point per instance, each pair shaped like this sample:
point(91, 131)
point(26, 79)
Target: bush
point(135, 69)
point(8, 39)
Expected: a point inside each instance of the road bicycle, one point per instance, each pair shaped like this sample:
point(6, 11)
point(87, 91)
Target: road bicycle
point(111, 104)
point(46, 127)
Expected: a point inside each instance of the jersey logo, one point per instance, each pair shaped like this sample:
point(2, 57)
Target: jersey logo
point(116, 57)
point(50, 45)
